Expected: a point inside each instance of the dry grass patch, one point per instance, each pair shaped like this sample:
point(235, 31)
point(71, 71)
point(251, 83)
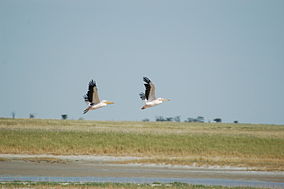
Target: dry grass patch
point(45, 160)
point(4, 159)
point(258, 130)
point(141, 144)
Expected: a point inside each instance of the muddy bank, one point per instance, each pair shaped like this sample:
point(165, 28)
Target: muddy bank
point(93, 168)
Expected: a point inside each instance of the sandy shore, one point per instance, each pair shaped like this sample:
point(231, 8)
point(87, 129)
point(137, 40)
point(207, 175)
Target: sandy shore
point(15, 165)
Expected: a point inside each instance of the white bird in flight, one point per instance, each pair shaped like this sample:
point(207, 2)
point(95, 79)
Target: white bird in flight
point(92, 98)
point(149, 96)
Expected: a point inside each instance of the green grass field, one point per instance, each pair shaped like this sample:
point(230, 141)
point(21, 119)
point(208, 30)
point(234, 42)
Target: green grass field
point(245, 145)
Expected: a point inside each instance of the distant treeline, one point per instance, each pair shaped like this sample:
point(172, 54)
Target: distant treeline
point(199, 119)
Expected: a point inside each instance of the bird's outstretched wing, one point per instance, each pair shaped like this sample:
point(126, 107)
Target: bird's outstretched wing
point(150, 89)
point(92, 94)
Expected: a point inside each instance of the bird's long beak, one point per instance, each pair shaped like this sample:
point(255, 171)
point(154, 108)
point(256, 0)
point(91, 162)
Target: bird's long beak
point(165, 99)
point(109, 102)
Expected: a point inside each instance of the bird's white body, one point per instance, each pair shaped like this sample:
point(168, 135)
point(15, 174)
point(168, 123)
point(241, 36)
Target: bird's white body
point(154, 102)
point(97, 106)
point(149, 104)
point(101, 104)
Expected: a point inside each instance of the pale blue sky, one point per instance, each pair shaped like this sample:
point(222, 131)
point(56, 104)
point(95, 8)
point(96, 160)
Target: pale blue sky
point(213, 58)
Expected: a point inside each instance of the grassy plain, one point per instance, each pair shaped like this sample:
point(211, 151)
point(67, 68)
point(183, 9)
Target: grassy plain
point(203, 144)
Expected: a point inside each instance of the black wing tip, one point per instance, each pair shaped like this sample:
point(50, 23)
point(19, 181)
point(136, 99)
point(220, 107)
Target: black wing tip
point(86, 98)
point(146, 79)
point(92, 83)
point(142, 96)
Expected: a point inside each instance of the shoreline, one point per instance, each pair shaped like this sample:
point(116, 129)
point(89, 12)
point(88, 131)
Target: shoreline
point(116, 160)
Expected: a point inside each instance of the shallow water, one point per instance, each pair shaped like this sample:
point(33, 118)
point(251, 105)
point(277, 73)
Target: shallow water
point(203, 181)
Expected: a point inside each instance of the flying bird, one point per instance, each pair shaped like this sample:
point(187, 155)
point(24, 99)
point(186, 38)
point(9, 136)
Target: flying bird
point(92, 98)
point(149, 96)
